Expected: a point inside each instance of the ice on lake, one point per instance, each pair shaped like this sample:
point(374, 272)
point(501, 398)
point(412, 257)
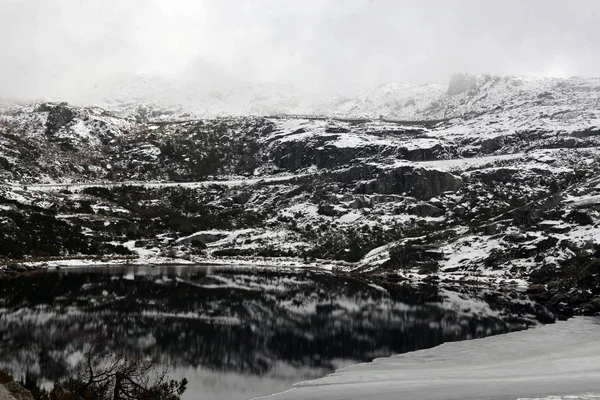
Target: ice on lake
point(557, 361)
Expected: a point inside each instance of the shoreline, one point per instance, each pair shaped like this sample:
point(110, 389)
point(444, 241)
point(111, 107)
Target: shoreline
point(531, 363)
point(542, 294)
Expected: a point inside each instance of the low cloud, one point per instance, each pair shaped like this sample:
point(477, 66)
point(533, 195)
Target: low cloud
point(72, 49)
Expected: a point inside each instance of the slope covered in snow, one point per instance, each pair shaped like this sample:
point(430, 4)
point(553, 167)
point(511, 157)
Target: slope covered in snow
point(555, 362)
point(396, 100)
point(158, 97)
point(521, 99)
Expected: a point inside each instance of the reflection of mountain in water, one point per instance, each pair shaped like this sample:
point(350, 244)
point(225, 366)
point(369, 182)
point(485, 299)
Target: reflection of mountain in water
point(246, 321)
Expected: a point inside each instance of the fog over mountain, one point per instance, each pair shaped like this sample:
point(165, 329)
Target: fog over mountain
point(81, 50)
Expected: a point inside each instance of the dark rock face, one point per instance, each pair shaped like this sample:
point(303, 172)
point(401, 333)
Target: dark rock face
point(242, 197)
point(4, 164)
point(322, 152)
point(592, 307)
point(536, 288)
point(331, 156)
point(327, 209)
point(586, 133)
point(580, 217)
point(295, 155)
point(424, 209)
point(60, 115)
point(436, 152)
point(493, 144)
point(422, 184)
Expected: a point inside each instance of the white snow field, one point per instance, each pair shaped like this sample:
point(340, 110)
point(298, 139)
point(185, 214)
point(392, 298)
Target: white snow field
point(558, 361)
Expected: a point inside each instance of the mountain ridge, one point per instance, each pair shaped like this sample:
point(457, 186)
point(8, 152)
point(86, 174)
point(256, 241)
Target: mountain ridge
point(395, 100)
point(503, 191)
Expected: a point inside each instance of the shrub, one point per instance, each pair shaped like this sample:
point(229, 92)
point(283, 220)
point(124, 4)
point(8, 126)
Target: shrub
point(102, 376)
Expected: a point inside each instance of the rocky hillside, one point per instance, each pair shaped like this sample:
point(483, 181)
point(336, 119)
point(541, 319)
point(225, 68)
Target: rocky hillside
point(493, 179)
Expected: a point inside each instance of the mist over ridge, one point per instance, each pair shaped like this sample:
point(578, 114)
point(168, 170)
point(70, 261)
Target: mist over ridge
point(82, 51)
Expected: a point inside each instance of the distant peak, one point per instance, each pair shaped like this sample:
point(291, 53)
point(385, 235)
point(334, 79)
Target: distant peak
point(460, 83)
point(465, 82)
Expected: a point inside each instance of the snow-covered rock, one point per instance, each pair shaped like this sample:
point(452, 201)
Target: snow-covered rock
point(492, 179)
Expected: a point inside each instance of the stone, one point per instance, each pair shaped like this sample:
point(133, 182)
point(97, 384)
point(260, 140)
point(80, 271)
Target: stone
point(5, 394)
point(326, 209)
point(592, 307)
point(242, 197)
point(333, 199)
point(18, 391)
point(4, 163)
point(202, 238)
point(536, 288)
point(424, 209)
point(420, 183)
point(322, 152)
point(360, 202)
point(491, 145)
point(580, 218)
point(60, 115)
point(356, 204)
point(491, 229)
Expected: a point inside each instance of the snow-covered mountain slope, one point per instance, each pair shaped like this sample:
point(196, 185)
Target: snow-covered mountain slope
point(167, 98)
point(518, 100)
point(396, 100)
point(505, 194)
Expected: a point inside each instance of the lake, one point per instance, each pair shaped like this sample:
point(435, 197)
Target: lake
point(238, 332)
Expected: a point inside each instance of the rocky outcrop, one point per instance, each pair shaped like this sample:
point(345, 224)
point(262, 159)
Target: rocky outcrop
point(592, 307)
point(14, 391)
point(5, 394)
point(202, 238)
point(492, 144)
point(294, 155)
point(59, 115)
point(324, 153)
point(436, 152)
point(422, 184)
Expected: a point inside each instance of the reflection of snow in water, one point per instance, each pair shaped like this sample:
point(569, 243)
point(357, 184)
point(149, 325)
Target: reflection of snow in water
point(553, 362)
point(205, 384)
point(236, 333)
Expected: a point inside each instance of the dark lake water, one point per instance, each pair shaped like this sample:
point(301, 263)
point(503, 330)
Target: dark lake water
point(235, 333)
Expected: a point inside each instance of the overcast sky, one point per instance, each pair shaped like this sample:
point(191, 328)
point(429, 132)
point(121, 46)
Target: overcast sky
point(66, 48)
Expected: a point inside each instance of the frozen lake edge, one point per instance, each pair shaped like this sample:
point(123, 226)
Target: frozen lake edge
point(560, 359)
